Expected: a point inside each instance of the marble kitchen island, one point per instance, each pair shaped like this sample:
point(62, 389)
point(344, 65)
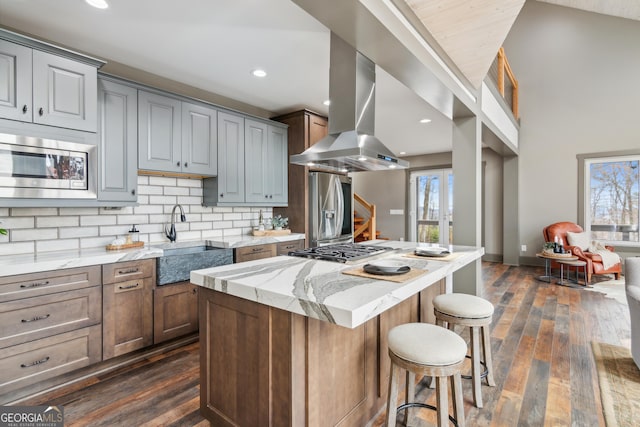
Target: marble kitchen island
point(289, 341)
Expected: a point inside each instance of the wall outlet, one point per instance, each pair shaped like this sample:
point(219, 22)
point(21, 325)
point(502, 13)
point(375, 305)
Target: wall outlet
point(396, 211)
point(523, 248)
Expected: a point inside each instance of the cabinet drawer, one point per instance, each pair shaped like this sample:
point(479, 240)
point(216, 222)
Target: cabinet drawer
point(35, 284)
point(39, 317)
point(251, 253)
point(285, 247)
point(129, 270)
point(29, 363)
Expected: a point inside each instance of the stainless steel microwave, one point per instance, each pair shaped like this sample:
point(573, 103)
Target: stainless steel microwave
point(45, 168)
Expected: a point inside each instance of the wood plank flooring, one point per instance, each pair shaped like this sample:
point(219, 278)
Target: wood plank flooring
point(544, 368)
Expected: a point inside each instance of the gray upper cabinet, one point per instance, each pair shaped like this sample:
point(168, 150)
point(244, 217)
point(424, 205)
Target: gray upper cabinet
point(265, 163)
point(176, 136)
point(159, 132)
point(15, 82)
point(256, 163)
point(118, 142)
point(199, 139)
point(64, 92)
point(231, 163)
point(47, 89)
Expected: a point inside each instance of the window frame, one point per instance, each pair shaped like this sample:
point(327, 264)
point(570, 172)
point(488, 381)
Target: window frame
point(584, 190)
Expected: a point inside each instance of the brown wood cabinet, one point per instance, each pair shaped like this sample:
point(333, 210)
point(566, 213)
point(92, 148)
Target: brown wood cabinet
point(127, 306)
point(251, 253)
point(305, 129)
point(49, 325)
point(175, 311)
point(285, 247)
point(296, 370)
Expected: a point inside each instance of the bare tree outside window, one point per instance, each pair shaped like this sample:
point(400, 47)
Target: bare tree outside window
point(614, 199)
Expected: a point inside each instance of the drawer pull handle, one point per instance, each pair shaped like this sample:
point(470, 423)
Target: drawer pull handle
point(290, 246)
point(129, 271)
point(35, 284)
point(37, 362)
point(257, 249)
point(33, 319)
point(130, 286)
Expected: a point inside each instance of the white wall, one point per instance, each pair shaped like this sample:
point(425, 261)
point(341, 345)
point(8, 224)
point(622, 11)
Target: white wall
point(39, 230)
point(579, 76)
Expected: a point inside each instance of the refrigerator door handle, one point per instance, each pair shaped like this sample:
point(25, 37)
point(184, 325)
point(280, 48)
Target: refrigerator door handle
point(340, 207)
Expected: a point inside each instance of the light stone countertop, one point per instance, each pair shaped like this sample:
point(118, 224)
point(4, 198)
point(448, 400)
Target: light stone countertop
point(247, 240)
point(319, 290)
point(47, 261)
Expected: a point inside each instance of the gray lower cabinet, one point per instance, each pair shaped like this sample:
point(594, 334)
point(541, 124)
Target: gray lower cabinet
point(40, 87)
point(118, 142)
point(176, 136)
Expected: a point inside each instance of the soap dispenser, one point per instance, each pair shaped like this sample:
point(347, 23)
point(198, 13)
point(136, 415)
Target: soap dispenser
point(134, 234)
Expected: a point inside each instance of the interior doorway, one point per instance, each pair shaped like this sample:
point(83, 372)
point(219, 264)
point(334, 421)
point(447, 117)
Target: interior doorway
point(431, 203)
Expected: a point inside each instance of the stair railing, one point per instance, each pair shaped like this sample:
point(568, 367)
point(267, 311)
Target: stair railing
point(505, 69)
point(368, 225)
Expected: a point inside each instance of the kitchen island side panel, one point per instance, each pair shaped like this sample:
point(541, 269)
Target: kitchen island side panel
point(264, 366)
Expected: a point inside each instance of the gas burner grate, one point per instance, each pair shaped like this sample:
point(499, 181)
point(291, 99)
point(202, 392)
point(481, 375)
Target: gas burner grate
point(340, 252)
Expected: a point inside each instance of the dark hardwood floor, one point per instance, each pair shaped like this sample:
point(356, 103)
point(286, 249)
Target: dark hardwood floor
point(544, 368)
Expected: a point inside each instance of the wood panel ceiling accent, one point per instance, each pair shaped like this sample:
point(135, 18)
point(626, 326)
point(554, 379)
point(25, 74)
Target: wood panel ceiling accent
point(470, 32)
point(620, 8)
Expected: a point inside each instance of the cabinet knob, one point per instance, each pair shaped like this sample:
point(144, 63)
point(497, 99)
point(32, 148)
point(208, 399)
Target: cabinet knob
point(271, 196)
point(178, 164)
point(41, 111)
point(185, 164)
point(221, 195)
point(25, 108)
point(266, 196)
point(133, 192)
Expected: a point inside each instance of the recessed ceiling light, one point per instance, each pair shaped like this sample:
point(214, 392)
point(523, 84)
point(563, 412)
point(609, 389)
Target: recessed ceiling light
point(311, 164)
point(362, 158)
point(259, 73)
point(392, 166)
point(402, 153)
point(327, 102)
point(100, 4)
point(425, 121)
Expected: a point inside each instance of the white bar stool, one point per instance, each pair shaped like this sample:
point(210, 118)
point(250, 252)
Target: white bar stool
point(476, 313)
point(425, 349)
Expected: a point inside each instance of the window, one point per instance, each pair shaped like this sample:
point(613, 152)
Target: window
point(611, 187)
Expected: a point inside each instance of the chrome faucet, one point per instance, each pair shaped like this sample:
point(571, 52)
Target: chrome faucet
point(171, 232)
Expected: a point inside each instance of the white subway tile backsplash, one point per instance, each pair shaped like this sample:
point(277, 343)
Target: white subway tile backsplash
point(51, 229)
point(79, 211)
point(57, 221)
point(57, 245)
point(176, 191)
point(17, 248)
point(33, 211)
point(13, 223)
point(150, 189)
point(73, 232)
point(98, 220)
point(25, 235)
point(163, 181)
point(185, 182)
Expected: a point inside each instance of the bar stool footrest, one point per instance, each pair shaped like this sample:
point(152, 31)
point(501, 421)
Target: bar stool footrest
point(483, 374)
point(424, 405)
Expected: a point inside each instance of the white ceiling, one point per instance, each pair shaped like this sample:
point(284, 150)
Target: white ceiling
point(629, 9)
point(214, 44)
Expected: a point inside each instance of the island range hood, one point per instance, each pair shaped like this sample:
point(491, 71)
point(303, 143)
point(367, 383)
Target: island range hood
point(351, 145)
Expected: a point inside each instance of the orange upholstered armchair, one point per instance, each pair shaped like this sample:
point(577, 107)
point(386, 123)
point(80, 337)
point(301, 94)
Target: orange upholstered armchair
point(593, 260)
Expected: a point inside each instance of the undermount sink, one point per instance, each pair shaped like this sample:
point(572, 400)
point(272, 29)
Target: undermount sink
point(177, 262)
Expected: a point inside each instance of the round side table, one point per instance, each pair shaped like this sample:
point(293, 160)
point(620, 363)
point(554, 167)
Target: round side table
point(577, 264)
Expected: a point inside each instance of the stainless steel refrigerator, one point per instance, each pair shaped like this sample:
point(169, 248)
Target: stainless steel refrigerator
point(330, 209)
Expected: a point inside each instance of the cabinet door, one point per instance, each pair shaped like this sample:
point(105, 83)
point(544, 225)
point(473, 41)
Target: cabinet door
point(230, 158)
point(159, 132)
point(118, 139)
point(127, 317)
point(175, 311)
point(318, 128)
point(199, 140)
point(15, 82)
point(276, 166)
point(256, 161)
point(64, 92)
